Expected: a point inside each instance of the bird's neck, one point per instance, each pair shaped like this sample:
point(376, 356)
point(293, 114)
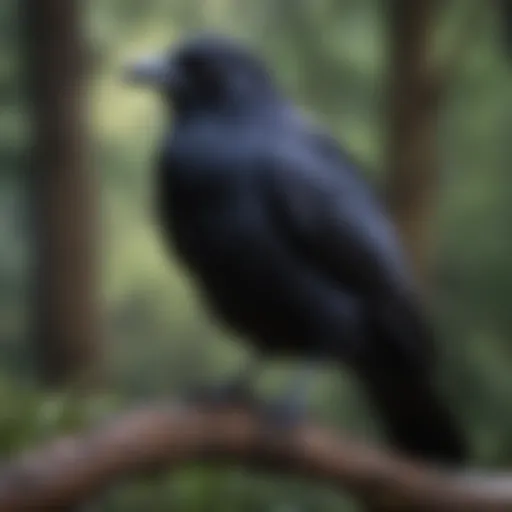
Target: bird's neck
point(235, 108)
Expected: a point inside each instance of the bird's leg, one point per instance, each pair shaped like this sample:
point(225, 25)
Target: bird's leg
point(291, 407)
point(236, 391)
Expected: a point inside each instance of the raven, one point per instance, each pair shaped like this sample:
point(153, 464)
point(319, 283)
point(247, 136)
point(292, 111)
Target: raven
point(285, 238)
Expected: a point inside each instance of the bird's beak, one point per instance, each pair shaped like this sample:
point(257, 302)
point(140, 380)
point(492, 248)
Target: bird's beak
point(150, 70)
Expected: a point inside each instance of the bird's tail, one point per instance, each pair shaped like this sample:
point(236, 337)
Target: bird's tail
point(416, 420)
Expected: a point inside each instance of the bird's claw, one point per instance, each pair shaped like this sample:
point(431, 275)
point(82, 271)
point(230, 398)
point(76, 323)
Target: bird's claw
point(221, 395)
point(284, 414)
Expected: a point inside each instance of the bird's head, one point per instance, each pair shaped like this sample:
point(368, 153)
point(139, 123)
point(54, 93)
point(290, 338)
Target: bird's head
point(206, 73)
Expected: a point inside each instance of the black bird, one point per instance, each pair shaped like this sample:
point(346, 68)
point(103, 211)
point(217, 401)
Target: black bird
point(286, 240)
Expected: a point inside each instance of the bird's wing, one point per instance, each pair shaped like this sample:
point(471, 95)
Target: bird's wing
point(327, 213)
point(331, 216)
point(327, 146)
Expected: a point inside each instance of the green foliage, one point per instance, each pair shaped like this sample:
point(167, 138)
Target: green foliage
point(330, 55)
point(30, 416)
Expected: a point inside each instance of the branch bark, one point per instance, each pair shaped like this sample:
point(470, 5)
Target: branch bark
point(73, 469)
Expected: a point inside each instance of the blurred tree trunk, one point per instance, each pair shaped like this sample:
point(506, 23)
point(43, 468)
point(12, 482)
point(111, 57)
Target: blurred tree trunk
point(413, 103)
point(505, 14)
point(66, 332)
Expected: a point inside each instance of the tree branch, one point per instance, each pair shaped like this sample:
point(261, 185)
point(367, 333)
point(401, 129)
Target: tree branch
point(73, 469)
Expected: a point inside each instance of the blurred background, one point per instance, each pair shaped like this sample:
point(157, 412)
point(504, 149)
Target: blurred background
point(94, 315)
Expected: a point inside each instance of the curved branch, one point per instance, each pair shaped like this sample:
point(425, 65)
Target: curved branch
point(72, 469)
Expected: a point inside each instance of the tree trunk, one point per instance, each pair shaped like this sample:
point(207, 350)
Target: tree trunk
point(63, 195)
point(412, 159)
point(412, 153)
point(505, 14)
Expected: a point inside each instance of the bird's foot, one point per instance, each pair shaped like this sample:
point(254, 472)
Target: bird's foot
point(224, 394)
point(285, 413)
point(290, 409)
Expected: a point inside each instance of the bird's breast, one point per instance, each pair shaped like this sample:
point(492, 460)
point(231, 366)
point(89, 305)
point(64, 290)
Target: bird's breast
point(211, 224)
